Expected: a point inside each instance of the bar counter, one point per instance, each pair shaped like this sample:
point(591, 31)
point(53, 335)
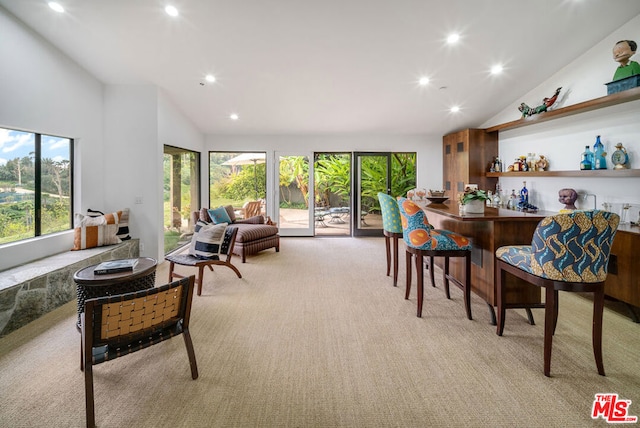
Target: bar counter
point(487, 232)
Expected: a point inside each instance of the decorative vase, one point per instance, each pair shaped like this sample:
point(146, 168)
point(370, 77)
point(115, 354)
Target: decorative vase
point(474, 207)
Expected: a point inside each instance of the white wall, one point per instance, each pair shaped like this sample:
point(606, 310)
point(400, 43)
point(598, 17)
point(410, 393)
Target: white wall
point(119, 132)
point(43, 91)
point(563, 140)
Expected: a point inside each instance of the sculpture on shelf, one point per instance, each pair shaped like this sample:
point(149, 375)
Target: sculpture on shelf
point(568, 197)
point(546, 104)
point(622, 52)
point(542, 164)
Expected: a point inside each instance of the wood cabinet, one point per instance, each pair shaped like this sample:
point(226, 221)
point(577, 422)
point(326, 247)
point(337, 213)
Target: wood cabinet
point(623, 279)
point(467, 155)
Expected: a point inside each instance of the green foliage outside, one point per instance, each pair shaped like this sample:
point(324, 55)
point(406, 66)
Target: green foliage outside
point(17, 210)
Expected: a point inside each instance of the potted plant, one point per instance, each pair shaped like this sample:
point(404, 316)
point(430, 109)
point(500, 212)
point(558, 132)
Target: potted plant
point(473, 200)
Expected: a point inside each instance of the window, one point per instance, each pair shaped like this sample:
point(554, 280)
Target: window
point(36, 184)
point(236, 178)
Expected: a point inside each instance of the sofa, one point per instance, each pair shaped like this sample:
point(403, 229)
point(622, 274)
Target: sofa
point(253, 234)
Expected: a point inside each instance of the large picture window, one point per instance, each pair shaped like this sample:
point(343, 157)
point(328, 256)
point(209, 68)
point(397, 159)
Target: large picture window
point(36, 183)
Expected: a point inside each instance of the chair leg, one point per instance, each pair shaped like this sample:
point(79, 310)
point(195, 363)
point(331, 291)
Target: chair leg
point(387, 246)
point(199, 279)
point(191, 353)
point(420, 280)
point(549, 316)
point(171, 266)
point(88, 392)
point(598, 307)
point(395, 261)
point(408, 269)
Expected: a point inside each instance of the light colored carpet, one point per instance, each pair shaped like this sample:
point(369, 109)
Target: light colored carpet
point(317, 336)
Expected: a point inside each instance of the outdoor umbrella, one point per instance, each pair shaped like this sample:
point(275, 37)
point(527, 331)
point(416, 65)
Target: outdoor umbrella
point(248, 159)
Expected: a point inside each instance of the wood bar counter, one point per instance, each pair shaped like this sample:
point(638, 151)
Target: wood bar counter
point(495, 228)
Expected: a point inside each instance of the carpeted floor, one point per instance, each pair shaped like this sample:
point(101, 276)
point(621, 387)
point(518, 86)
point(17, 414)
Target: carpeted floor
point(317, 336)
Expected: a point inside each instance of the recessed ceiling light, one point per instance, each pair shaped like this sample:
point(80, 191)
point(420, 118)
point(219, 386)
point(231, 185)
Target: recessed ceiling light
point(171, 11)
point(56, 6)
point(423, 81)
point(234, 116)
point(453, 38)
point(496, 69)
point(210, 78)
point(454, 109)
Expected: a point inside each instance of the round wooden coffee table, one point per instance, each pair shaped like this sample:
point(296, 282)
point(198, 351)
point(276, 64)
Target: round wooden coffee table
point(90, 285)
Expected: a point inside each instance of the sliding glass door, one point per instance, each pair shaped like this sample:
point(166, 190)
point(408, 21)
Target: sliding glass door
point(294, 190)
point(390, 173)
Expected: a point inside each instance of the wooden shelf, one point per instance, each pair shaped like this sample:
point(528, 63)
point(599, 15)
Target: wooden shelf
point(614, 173)
point(606, 101)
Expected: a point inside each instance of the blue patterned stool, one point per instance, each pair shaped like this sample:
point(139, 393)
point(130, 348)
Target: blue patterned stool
point(392, 230)
point(421, 240)
point(568, 252)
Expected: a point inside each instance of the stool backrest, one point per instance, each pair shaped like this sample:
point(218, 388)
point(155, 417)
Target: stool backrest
point(416, 230)
point(391, 221)
point(574, 247)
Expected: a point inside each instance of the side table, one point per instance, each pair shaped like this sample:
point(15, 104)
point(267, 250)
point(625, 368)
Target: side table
point(89, 285)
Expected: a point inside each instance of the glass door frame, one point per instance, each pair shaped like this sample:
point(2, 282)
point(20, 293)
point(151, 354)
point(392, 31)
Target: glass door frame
point(356, 228)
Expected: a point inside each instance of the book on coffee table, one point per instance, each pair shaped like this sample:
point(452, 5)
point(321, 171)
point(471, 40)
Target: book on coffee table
point(115, 266)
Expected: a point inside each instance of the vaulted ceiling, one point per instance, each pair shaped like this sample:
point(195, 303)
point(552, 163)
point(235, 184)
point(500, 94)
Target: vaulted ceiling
point(332, 66)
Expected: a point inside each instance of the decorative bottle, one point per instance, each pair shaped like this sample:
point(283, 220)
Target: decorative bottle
point(513, 200)
point(599, 156)
point(524, 195)
point(587, 159)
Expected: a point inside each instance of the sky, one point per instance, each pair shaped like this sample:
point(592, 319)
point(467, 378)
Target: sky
point(18, 144)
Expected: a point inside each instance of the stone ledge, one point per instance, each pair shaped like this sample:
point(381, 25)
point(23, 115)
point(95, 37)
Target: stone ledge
point(29, 291)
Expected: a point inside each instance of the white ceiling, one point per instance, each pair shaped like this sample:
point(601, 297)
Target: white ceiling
point(332, 66)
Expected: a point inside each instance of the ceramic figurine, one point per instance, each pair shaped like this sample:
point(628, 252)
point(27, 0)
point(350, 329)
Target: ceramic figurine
point(622, 52)
point(568, 197)
point(546, 104)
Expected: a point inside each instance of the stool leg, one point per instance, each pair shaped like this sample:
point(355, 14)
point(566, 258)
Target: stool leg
point(387, 246)
point(431, 273)
point(467, 285)
point(420, 278)
point(446, 277)
point(408, 257)
point(549, 309)
point(598, 307)
point(500, 277)
point(395, 261)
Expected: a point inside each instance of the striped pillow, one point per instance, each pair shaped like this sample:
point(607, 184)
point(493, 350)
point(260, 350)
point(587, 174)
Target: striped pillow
point(91, 232)
point(95, 236)
point(206, 242)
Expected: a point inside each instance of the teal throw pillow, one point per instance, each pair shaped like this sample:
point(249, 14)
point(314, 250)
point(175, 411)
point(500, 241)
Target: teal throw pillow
point(219, 215)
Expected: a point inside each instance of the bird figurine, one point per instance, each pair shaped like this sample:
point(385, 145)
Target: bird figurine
point(546, 104)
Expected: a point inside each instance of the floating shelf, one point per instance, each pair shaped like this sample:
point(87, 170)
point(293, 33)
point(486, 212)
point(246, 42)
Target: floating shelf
point(613, 173)
point(602, 102)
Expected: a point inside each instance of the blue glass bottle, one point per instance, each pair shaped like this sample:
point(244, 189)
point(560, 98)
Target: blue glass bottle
point(587, 159)
point(599, 155)
point(524, 195)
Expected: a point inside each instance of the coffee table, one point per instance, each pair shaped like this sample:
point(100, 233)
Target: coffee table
point(90, 285)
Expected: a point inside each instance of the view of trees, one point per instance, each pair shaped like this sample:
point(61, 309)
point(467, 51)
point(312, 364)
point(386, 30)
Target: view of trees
point(17, 197)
